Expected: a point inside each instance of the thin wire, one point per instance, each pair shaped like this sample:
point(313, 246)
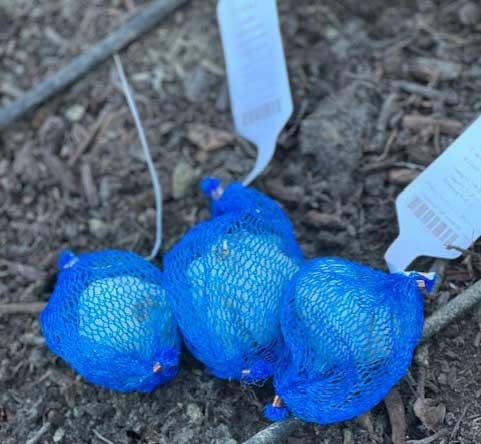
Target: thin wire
point(148, 157)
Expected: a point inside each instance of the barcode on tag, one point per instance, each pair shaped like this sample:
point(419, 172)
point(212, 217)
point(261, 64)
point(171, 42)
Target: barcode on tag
point(432, 221)
point(261, 112)
point(439, 213)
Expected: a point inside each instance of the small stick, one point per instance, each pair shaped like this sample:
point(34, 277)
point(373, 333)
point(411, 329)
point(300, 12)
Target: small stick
point(82, 64)
point(275, 432)
point(101, 122)
point(439, 268)
point(102, 438)
point(455, 308)
point(429, 439)
point(22, 308)
point(450, 97)
point(88, 184)
point(38, 435)
point(397, 416)
point(458, 422)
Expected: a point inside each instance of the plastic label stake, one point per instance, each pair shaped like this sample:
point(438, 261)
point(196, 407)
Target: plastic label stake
point(257, 74)
point(440, 211)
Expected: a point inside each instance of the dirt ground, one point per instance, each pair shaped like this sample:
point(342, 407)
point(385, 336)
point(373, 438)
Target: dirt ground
point(392, 82)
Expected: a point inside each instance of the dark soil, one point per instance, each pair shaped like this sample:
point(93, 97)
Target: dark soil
point(355, 67)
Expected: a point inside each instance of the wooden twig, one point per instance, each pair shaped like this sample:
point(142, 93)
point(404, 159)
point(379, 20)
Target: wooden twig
point(38, 435)
point(450, 97)
point(82, 64)
point(397, 416)
point(22, 308)
point(274, 433)
point(439, 268)
point(102, 121)
point(429, 439)
point(90, 190)
point(461, 304)
point(458, 422)
point(417, 122)
point(467, 300)
point(102, 438)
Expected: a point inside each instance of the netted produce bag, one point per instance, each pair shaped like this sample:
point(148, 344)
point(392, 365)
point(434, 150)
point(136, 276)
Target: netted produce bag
point(109, 318)
point(349, 332)
point(225, 280)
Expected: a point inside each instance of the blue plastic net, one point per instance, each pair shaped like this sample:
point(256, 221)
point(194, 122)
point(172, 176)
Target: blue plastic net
point(225, 280)
point(350, 332)
point(109, 318)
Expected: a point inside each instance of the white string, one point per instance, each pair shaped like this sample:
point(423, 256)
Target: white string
point(148, 157)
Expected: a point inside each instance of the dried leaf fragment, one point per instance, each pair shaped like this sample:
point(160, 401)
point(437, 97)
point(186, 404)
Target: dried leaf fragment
point(207, 138)
point(430, 412)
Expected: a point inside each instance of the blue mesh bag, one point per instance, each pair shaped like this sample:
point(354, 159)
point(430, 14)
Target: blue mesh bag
point(225, 279)
point(109, 318)
point(349, 332)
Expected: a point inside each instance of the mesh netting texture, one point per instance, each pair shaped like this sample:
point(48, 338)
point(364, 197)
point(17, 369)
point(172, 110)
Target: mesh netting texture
point(350, 332)
point(109, 318)
point(225, 279)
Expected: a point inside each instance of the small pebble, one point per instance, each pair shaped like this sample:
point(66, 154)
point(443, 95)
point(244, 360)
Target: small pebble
point(75, 113)
point(4, 166)
point(470, 13)
point(183, 436)
point(98, 228)
point(331, 33)
point(55, 417)
point(58, 435)
point(348, 438)
point(147, 216)
point(221, 435)
point(402, 176)
point(443, 378)
point(105, 190)
point(36, 358)
point(194, 413)
point(199, 83)
point(52, 131)
point(222, 103)
point(182, 179)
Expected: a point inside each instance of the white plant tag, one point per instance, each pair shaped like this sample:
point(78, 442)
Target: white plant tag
point(257, 74)
point(441, 208)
